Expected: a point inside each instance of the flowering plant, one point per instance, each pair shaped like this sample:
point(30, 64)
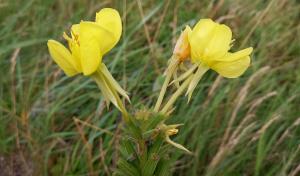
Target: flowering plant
point(146, 135)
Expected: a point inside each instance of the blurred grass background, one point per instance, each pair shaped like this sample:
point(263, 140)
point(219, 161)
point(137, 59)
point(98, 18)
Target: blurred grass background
point(54, 125)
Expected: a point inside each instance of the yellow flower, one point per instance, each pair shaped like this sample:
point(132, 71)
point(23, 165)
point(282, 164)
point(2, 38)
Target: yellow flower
point(210, 43)
point(88, 43)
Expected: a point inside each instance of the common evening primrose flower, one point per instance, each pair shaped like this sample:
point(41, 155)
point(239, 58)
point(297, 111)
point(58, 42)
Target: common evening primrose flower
point(209, 49)
point(206, 46)
point(210, 43)
point(88, 43)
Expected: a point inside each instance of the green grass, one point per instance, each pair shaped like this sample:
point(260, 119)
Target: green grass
point(259, 112)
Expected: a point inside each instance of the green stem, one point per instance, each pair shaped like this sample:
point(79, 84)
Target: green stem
point(170, 70)
point(174, 97)
point(105, 86)
point(121, 105)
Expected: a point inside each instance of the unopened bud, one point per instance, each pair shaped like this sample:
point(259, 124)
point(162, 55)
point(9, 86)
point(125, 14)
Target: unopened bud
point(182, 47)
point(171, 132)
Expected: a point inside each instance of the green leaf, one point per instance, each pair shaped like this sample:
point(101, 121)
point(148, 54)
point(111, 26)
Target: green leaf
point(134, 130)
point(153, 158)
point(260, 153)
point(118, 172)
point(127, 168)
point(163, 168)
point(150, 165)
point(129, 146)
point(153, 122)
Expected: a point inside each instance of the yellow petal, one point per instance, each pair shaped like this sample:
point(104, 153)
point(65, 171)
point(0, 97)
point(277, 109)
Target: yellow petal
point(110, 19)
point(75, 50)
point(93, 40)
point(229, 57)
point(200, 37)
point(62, 57)
point(232, 69)
point(219, 44)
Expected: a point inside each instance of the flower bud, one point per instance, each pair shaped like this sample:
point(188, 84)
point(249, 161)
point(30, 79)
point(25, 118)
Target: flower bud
point(182, 47)
point(171, 132)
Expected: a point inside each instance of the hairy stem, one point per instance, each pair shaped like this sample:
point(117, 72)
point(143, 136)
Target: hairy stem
point(110, 93)
point(172, 67)
point(174, 97)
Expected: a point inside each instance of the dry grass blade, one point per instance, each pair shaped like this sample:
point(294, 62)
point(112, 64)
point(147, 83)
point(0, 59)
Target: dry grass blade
point(13, 61)
point(258, 101)
point(258, 21)
point(212, 90)
point(240, 100)
point(229, 147)
point(251, 114)
point(93, 126)
point(287, 131)
point(87, 145)
point(290, 162)
point(102, 157)
point(174, 23)
point(216, 8)
point(161, 19)
point(146, 31)
point(264, 128)
point(295, 172)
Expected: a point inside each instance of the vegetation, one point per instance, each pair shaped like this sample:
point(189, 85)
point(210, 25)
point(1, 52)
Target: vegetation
point(54, 125)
